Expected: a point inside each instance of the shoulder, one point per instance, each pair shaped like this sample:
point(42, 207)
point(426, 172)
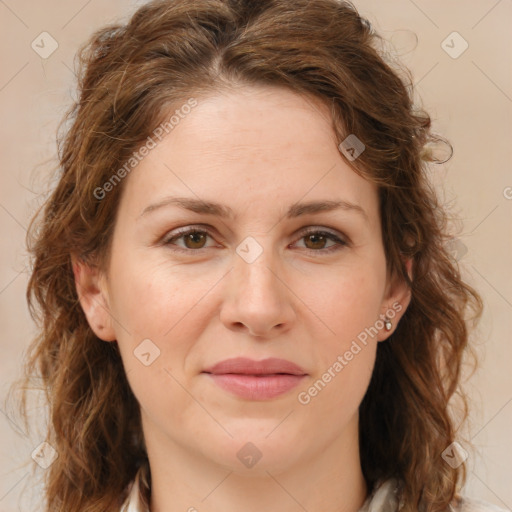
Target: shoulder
point(467, 504)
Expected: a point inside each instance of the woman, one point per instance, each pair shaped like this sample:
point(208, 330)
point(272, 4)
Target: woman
point(244, 294)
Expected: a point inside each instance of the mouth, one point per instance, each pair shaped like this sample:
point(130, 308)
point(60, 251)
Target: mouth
point(256, 380)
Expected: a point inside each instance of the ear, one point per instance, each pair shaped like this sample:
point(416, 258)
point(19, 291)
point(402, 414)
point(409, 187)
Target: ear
point(395, 301)
point(93, 296)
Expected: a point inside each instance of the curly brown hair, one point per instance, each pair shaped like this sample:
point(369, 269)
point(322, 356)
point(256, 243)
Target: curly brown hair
point(129, 77)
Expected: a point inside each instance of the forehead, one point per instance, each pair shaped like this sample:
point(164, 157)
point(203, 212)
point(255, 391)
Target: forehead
point(270, 121)
point(257, 146)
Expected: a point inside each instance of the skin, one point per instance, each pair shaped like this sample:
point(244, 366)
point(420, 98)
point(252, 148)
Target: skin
point(257, 150)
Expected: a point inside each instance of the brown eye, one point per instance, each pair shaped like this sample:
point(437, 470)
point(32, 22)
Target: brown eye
point(193, 239)
point(315, 241)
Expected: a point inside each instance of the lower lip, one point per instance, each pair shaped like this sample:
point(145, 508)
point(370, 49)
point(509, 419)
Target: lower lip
point(254, 387)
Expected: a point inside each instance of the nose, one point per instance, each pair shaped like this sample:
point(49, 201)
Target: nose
point(257, 298)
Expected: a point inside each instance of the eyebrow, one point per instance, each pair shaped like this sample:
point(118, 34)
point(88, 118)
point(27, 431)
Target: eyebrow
point(212, 208)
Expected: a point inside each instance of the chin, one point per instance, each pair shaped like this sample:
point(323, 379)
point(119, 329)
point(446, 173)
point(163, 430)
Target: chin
point(254, 451)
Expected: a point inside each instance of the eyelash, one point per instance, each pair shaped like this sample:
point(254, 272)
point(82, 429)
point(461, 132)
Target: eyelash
point(193, 230)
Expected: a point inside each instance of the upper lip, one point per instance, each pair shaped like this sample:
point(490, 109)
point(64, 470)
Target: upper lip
point(243, 365)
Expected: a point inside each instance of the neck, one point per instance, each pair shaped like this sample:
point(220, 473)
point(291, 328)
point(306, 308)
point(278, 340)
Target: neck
point(182, 480)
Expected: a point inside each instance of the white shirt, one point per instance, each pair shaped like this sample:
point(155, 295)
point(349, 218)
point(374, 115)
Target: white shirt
point(382, 499)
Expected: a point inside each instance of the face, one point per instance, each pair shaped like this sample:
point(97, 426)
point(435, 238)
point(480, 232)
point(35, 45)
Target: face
point(270, 279)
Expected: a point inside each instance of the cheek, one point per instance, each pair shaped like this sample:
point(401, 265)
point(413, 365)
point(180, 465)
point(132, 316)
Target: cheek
point(346, 358)
point(347, 304)
point(350, 310)
point(150, 298)
point(157, 322)
point(334, 396)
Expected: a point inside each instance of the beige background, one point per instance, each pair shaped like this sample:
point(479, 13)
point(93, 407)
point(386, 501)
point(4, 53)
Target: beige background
point(469, 98)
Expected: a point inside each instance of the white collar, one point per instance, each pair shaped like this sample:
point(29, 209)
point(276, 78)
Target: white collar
point(134, 501)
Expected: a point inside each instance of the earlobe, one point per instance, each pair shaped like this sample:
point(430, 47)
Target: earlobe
point(395, 303)
point(93, 297)
point(408, 267)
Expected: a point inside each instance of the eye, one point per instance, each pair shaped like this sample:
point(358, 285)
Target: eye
point(318, 238)
point(195, 239)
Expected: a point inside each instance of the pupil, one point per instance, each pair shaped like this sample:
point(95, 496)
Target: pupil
point(317, 237)
point(193, 237)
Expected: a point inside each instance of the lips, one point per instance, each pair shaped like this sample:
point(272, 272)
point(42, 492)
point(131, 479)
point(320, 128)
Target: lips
point(242, 365)
point(256, 380)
